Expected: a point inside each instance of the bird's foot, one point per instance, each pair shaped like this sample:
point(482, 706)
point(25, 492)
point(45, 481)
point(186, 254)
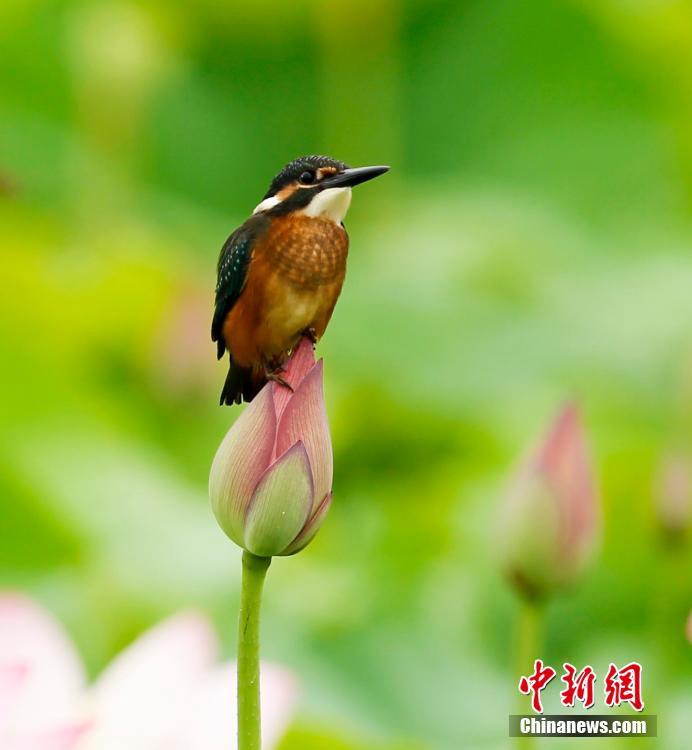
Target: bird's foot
point(311, 333)
point(274, 373)
point(277, 378)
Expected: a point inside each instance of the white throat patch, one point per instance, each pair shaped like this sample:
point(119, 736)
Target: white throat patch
point(331, 203)
point(266, 204)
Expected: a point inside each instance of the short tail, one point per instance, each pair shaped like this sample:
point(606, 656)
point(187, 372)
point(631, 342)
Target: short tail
point(242, 384)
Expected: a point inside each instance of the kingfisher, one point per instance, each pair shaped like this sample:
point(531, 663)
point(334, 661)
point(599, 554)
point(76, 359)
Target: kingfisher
point(280, 273)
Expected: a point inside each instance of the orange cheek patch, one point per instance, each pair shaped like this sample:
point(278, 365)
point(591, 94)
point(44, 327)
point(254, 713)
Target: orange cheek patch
point(286, 192)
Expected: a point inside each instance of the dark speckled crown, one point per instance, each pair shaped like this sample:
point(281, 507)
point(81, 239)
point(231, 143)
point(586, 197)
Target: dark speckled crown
point(292, 171)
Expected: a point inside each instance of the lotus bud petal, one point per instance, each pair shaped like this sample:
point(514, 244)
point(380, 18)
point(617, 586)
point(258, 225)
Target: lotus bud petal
point(242, 458)
point(310, 528)
point(551, 514)
point(297, 367)
point(305, 418)
point(272, 523)
point(270, 482)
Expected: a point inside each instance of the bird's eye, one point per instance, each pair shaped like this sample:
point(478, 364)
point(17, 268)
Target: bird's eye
point(307, 178)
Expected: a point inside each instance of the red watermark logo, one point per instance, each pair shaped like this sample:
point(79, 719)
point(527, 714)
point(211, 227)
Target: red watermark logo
point(620, 686)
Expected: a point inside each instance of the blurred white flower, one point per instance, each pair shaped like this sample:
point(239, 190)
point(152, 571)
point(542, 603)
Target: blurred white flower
point(166, 690)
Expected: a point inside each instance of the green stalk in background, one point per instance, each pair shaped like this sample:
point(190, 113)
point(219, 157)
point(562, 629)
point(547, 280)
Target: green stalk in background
point(529, 637)
point(550, 529)
point(249, 718)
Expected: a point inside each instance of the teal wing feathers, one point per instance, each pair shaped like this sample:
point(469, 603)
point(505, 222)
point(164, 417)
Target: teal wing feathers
point(232, 270)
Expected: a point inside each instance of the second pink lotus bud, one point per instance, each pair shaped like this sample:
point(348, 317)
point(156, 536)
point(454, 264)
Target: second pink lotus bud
point(551, 516)
point(271, 479)
point(673, 494)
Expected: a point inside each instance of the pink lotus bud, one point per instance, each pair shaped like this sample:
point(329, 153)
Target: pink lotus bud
point(271, 479)
point(673, 494)
point(551, 516)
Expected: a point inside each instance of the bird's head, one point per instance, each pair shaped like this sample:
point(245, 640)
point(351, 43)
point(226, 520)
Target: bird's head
point(315, 186)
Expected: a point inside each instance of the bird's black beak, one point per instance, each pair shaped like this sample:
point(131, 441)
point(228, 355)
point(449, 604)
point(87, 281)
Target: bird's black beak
point(351, 177)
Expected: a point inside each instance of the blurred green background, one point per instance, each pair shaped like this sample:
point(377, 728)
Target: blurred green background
point(532, 242)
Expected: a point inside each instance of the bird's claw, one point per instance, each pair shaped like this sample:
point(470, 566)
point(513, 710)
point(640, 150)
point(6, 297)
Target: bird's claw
point(311, 333)
point(276, 377)
point(273, 372)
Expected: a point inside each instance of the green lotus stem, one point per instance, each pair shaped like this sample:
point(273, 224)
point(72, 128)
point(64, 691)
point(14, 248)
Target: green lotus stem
point(529, 637)
point(249, 715)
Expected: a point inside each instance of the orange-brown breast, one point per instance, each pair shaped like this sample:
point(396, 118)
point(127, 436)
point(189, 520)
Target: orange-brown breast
point(293, 283)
